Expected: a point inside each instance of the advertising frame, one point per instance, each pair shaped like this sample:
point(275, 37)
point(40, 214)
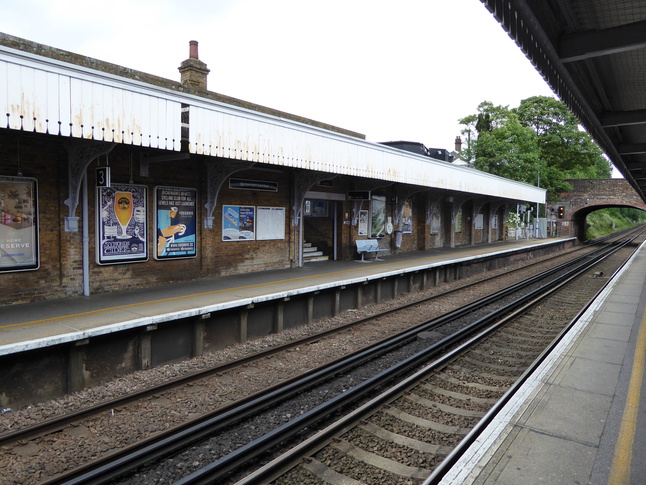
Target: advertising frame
point(238, 223)
point(19, 224)
point(175, 223)
point(121, 237)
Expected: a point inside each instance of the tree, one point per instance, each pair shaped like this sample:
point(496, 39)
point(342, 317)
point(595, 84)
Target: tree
point(500, 144)
point(539, 139)
point(562, 144)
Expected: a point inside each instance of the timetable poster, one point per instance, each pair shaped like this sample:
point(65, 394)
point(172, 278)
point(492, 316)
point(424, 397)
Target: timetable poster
point(18, 224)
point(175, 220)
point(270, 223)
point(238, 223)
point(121, 224)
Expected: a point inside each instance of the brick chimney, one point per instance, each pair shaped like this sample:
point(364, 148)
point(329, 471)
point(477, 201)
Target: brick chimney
point(458, 144)
point(192, 70)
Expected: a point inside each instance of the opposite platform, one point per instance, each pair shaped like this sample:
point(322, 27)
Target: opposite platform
point(581, 418)
point(36, 325)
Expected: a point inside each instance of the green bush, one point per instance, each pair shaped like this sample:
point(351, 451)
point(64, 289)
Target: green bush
point(606, 221)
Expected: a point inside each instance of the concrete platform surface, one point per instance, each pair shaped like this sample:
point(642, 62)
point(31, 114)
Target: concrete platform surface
point(581, 418)
point(35, 325)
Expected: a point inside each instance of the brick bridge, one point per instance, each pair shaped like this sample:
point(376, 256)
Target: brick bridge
point(589, 195)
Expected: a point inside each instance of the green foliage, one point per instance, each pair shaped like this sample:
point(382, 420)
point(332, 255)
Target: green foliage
point(540, 139)
point(605, 221)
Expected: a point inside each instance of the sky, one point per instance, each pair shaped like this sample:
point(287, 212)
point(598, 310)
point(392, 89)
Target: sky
point(405, 70)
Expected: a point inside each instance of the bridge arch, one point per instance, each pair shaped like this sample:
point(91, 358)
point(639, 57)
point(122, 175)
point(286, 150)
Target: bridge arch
point(589, 195)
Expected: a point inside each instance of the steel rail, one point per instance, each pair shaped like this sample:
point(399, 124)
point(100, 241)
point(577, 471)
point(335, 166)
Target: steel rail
point(443, 468)
point(290, 458)
point(170, 442)
point(221, 468)
point(60, 422)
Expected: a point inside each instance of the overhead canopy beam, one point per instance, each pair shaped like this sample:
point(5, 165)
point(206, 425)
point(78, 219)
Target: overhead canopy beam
point(623, 118)
point(632, 148)
point(577, 47)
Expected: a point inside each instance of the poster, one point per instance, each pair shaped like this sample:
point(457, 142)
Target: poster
point(270, 223)
point(378, 221)
point(436, 222)
point(363, 223)
point(407, 218)
point(121, 224)
point(238, 223)
point(176, 222)
point(18, 224)
point(479, 222)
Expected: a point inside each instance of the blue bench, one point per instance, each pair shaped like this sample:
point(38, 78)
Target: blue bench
point(369, 246)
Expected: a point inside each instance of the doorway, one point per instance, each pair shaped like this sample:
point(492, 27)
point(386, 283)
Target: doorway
point(319, 230)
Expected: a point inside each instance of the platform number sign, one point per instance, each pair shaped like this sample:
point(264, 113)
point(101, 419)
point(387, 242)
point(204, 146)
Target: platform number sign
point(103, 177)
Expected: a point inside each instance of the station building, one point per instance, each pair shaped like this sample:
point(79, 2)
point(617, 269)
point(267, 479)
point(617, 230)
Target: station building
point(113, 179)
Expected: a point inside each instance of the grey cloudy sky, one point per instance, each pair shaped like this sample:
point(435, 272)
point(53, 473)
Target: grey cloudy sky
point(405, 70)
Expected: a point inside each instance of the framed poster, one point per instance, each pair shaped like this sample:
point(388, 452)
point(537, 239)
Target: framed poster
point(479, 222)
point(436, 221)
point(238, 223)
point(315, 208)
point(407, 218)
point(175, 221)
point(270, 223)
point(18, 224)
point(121, 224)
point(378, 216)
point(363, 223)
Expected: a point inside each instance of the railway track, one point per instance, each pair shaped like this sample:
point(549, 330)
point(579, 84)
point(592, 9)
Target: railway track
point(416, 358)
point(405, 433)
point(46, 434)
point(72, 418)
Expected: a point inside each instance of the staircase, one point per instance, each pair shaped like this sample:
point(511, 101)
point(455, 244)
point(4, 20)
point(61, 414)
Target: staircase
point(311, 253)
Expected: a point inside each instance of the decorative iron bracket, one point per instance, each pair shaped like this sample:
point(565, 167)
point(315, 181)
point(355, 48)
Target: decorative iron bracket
point(80, 155)
point(431, 205)
point(216, 174)
point(403, 194)
point(303, 182)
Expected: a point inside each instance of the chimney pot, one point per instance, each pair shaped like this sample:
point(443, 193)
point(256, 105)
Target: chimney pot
point(192, 53)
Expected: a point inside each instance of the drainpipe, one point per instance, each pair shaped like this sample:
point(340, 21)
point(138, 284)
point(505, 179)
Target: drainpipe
point(86, 240)
point(300, 238)
point(335, 231)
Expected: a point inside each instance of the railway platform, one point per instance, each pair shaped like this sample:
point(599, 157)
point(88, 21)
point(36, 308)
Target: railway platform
point(52, 348)
point(578, 419)
point(581, 417)
point(36, 325)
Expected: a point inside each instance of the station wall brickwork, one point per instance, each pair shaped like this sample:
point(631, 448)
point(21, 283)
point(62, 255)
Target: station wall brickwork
point(60, 274)
point(61, 267)
point(599, 192)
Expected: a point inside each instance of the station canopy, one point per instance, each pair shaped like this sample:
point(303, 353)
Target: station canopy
point(592, 53)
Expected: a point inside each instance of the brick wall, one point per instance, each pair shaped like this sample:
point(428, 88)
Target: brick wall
point(60, 273)
point(592, 192)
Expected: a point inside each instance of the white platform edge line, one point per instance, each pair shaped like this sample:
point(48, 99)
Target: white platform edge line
point(76, 335)
point(468, 467)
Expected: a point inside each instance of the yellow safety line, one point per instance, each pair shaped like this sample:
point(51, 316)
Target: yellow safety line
point(621, 461)
point(131, 305)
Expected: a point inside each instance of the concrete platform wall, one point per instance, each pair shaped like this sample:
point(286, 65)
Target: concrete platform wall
point(39, 375)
